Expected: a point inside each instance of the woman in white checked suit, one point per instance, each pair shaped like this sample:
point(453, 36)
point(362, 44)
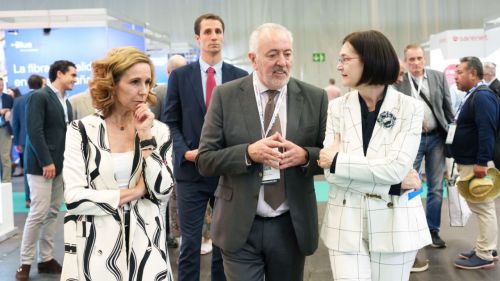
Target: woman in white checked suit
point(372, 227)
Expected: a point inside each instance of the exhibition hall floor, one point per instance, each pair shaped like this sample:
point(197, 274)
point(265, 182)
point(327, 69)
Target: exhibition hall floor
point(317, 266)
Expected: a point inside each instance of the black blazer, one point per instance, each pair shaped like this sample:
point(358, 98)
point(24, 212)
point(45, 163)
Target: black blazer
point(231, 124)
point(46, 131)
point(495, 87)
point(185, 113)
point(7, 102)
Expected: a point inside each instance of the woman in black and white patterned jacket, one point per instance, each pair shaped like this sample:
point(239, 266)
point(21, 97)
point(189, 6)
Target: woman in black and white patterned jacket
point(117, 175)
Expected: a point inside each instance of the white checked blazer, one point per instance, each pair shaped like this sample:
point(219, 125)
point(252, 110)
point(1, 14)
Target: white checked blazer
point(359, 199)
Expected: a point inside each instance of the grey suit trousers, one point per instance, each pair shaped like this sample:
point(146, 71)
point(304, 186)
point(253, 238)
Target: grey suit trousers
point(271, 251)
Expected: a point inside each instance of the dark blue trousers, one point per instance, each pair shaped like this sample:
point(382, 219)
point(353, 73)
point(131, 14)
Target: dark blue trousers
point(192, 199)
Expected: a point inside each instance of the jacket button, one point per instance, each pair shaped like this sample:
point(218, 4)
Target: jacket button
point(260, 174)
point(390, 205)
point(99, 252)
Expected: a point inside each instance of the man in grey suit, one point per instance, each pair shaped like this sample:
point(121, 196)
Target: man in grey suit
point(262, 136)
point(490, 77)
point(82, 104)
point(431, 87)
point(174, 62)
point(48, 112)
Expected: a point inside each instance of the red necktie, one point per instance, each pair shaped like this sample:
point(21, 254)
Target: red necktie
point(210, 85)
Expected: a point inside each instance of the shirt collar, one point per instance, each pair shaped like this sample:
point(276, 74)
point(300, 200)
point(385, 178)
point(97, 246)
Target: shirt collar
point(425, 75)
point(480, 83)
point(59, 95)
point(204, 66)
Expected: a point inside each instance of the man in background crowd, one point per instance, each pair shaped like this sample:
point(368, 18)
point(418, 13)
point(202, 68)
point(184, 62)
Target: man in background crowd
point(473, 149)
point(48, 112)
point(430, 87)
point(35, 82)
point(490, 78)
point(332, 91)
point(6, 102)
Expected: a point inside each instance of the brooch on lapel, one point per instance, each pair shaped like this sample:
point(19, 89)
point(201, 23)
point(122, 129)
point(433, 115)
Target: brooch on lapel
point(386, 119)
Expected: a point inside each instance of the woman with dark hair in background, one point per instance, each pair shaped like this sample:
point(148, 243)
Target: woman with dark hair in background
point(373, 226)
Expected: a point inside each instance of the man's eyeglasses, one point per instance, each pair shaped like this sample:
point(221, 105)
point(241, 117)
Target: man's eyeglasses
point(343, 60)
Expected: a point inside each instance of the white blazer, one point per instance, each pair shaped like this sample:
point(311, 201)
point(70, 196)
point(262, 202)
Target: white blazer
point(94, 236)
point(359, 189)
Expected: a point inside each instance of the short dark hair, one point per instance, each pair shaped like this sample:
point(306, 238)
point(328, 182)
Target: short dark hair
point(197, 22)
point(35, 82)
point(16, 91)
point(380, 61)
point(60, 65)
point(474, 63)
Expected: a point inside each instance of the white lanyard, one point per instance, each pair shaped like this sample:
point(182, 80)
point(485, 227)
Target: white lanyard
point(415, 95)
point(261, 112)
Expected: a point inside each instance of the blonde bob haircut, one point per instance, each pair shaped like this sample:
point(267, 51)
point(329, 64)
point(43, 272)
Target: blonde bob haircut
point(108, 71)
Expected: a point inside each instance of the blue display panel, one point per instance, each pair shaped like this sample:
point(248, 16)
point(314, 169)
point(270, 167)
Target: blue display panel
point(31, 51)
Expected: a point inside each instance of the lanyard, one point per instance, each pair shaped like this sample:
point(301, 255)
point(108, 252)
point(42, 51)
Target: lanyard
point(261, 111)
point(410, 79)
point(462, 103)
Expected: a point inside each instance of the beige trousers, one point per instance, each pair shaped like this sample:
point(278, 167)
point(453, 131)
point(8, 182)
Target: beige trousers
point(487, 220)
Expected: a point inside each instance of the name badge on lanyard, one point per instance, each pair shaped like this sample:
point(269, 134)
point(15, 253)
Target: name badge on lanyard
point(451, 133)
point(270, 174)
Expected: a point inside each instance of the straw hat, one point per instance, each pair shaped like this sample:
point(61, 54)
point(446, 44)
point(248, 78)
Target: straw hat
point(477, 190)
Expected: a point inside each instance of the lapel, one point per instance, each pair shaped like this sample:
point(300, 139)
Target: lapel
point(377, 141)
point(352, 122)
point(293, 109)
point(226, 74)
point(197, 85)
point(70, 110)
point(433, 93)
point(406, 85)
point(55, 99)
point(248, 106)
point(96, 130)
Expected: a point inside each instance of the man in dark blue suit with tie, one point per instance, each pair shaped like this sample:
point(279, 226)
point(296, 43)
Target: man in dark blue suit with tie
point(188, 96)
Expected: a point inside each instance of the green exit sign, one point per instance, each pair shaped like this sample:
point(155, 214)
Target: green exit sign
point(319, 57)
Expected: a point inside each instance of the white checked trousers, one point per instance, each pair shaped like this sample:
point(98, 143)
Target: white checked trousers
point(371, 266)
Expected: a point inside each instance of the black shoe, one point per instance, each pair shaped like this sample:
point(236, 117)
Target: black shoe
point(437, 242)
point(52, 267)
point(172, 243)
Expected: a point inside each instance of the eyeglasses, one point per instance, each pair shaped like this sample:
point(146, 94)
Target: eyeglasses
point(343, 60)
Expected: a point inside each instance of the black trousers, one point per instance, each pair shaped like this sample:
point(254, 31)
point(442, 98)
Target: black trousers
point(271, 251)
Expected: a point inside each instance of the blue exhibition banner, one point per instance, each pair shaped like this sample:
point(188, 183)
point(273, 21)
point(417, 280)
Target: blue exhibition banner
point(32, 51)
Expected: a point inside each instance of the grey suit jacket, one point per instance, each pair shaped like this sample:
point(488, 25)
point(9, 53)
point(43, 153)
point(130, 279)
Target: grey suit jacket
point(231, 124)
point(495, 86)
point(159, 107)
point(439, 93)
point(82, 105)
